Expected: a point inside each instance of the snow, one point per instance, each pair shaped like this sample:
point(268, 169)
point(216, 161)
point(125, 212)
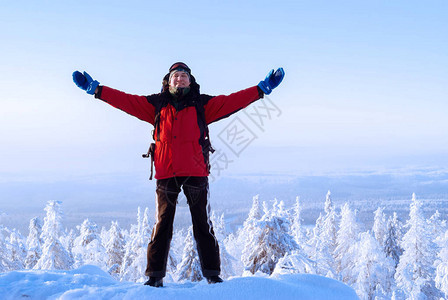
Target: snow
point(90, 282)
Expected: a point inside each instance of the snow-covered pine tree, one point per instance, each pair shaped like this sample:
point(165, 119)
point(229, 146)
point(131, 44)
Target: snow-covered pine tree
point(146, 228)
point(33, 243)
point(380, 226)
point(114, 249)
point(295, 262)
point(176, 250)
point(54, 255)
point(318, 250)
point(5, 252)
point(266, 210)
point(346, 244)
point(104, 235)
point(297, 230)
point(441, 279)
point(328, 234)
point(414, 273)
point(87, 247)
point(134, 260)
point(374, 270)
point(68, 240)
point(17, 250)
point(313, 243)
point(218, 226)
point(437, 227)
point(235, 242)
point(278, 209)
point(190, 266)
point(227, 260)
point(329, 226)
point(322, 240)
point(267, 243)
point(393, 238)
point(130, 249)
point(255, 213)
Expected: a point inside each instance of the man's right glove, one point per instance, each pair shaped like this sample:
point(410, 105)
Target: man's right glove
point(85, 82)
point(272, 81)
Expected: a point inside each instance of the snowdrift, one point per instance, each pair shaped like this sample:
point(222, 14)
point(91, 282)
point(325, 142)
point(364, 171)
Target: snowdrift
point(90, 282)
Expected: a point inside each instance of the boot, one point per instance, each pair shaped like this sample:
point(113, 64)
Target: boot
point(155, 281)
point(214, 279)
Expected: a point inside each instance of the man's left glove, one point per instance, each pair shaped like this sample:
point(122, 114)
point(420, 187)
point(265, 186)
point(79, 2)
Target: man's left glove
point(85, 82)
point(272, 81)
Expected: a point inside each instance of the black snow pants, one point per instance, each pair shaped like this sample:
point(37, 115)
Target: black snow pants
point(196, 192)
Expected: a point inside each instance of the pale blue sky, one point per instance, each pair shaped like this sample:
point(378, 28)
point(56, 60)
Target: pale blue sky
point(366, 82)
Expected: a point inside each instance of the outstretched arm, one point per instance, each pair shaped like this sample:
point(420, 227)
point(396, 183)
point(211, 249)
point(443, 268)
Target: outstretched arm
point(137, 106)
point(219, 107)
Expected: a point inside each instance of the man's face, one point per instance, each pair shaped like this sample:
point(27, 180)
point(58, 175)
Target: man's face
point(179, 80)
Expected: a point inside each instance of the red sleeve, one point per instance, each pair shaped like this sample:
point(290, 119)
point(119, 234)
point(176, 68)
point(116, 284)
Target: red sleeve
point(137, 106)
point(220, 107)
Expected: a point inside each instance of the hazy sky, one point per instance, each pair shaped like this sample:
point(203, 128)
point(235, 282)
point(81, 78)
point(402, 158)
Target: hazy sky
point(366, 81)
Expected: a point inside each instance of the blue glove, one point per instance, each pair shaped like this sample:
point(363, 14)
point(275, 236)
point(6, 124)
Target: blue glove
point(272, 81)
point(85, 82)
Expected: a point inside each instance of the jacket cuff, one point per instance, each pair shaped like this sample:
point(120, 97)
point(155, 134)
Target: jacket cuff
point(260, 92)
point(98, 94)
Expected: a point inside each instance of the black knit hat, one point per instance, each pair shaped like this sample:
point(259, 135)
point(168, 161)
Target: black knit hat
point(180, 66)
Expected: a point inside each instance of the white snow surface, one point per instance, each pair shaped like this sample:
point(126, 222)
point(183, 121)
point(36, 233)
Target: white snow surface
point(90, 282)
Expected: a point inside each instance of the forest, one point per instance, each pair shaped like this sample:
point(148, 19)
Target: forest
point(394, 259)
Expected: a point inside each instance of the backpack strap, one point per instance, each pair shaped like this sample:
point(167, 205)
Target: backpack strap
point(152, 147)
point(150, 153)
point(204, 139)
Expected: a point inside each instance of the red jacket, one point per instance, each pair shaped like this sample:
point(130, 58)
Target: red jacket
point(178, 151)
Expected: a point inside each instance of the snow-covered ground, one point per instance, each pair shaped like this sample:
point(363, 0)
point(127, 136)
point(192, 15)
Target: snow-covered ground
point(90, 282)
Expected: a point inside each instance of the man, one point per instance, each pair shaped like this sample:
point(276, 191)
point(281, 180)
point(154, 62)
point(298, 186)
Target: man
point(180, 115)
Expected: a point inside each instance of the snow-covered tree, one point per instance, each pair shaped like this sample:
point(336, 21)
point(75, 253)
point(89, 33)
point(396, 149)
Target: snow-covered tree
point(145, 227)
point(87, 247)
point(68, 240)
point(392, 239)
point(437, 227)
point(5, 252)
point(323, 239)
point(176, 250)
point(347, 238)
point(134, 260)
point(314, 236)
point(268, 242)
point(414, 274)
point(296, 262)
point(328, 234)
point(297, 230)
point(278, 209)
point(33, 243)
point(54, 255)
point(329, 226)
point(104, 235)
point(17, 250)
point(380, 226)
point(227, 260)
point(441, 279)
point(255, 213)
point(114, 248)
point(190, 266)
point(235, 242)
point(374, 270)
point(319, 251)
